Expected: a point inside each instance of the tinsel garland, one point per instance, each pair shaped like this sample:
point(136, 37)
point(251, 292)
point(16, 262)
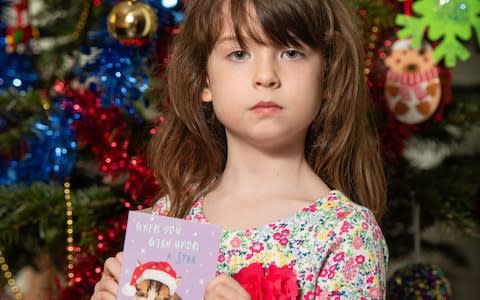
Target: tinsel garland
point(48, 152)
point(104, 129)
point(103, 115)
point(107, 133)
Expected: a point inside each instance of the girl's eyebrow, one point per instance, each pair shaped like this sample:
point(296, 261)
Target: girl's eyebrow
point(227, 39)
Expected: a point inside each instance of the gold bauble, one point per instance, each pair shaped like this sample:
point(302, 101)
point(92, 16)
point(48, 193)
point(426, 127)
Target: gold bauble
point(131, 21)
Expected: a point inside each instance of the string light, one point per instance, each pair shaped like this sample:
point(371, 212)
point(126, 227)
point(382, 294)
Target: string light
point(372, 41)
point(169, 3)
point(9, 277)
point(70, 247)
point(81, 22)
point(45, 101)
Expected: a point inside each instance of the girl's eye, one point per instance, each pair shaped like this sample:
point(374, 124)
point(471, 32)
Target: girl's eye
point(292, 54)
point(238, 55)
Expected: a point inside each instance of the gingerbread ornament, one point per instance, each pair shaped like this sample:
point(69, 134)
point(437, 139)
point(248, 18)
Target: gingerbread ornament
point(412, 87)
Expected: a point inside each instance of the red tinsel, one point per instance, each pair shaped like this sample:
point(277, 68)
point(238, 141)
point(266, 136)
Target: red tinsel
point(88, 264)
point(106, 133)
point(141, 183)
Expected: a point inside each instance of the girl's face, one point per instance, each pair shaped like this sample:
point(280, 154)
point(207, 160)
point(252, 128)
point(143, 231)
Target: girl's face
point(264, 95)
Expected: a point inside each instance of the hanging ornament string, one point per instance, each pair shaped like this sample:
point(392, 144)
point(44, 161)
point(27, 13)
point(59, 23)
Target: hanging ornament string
point(408, 7)
point(417, 252)
point(20, 8)
point(9, 277)
point(70, 247)
point(81, 22)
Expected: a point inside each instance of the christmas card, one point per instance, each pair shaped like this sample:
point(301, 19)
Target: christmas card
point(167, 258)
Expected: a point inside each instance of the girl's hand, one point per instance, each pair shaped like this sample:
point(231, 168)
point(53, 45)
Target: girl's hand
point(225, 287)
point(107, 287)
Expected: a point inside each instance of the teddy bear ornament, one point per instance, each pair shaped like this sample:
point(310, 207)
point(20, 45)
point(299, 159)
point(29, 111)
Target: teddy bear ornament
point(412, 86)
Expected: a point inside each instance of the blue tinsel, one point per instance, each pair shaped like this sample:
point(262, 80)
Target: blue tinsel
point(51, 155)
point(119, 72)
point(17, 71)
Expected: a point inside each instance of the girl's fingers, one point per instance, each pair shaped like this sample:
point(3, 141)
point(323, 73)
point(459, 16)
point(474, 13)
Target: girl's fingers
point(225, 287)
point(112, 267)
point(223, 292)
point(103, 296)
point(105, 289)
point(119, 257)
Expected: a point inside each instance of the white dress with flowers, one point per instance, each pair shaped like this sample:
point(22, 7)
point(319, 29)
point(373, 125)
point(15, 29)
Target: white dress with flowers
point(334, 246)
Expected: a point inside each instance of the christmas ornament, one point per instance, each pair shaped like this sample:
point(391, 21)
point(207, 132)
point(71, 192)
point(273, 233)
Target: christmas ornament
point(419, 281)
point(412, 86)
point(132, 22)
point(446, 21)
point(19, 35)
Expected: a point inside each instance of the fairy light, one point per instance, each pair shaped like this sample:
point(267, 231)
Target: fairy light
point(81, 22)
point(9, 277)
point(45, 101)
point(70, 247)
point(372, 41)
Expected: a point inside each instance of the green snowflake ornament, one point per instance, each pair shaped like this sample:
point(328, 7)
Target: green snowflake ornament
point(447, 19)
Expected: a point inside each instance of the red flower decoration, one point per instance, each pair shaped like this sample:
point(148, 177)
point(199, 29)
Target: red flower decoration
point(252, 279)
point(272, 284)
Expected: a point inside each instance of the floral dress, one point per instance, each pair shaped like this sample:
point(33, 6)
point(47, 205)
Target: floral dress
point(334, 246)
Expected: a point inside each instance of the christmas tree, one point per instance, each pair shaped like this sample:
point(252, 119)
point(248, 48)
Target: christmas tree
point(80, 96)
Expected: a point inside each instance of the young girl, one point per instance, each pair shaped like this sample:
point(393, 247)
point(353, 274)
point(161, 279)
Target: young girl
point(267, 134)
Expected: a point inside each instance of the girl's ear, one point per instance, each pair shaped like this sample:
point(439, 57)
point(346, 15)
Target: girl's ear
point(207, 93)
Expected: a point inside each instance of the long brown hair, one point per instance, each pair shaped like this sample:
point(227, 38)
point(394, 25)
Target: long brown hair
point(189, 148)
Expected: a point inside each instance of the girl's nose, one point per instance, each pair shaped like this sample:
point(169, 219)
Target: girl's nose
point(266, 73)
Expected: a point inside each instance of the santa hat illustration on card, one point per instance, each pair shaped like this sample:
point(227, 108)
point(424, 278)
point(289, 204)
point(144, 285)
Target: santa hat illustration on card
point(157, 271)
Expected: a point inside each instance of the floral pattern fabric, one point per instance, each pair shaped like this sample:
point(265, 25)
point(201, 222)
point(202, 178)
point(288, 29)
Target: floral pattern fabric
point(334, 245)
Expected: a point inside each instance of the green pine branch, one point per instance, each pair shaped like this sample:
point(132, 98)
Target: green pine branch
point(379, 12)
point(20, 110)
point(33, 215)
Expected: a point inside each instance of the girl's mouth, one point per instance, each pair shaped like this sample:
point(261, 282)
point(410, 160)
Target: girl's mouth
point(266, 107)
